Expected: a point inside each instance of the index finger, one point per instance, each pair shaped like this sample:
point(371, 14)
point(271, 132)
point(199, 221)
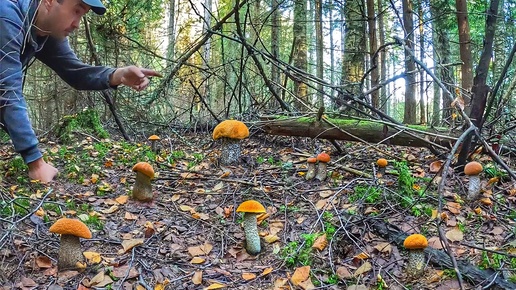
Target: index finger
point(150, 73)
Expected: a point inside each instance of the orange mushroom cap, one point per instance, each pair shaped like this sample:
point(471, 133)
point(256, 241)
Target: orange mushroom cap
point(74, 227)
point(323, 157)
point(382, 162)
point(473, 168)
point(251, 206)
point(232, 129)
point(415, 242)
point(311, 160)
point(144, 168)
point(154, 137)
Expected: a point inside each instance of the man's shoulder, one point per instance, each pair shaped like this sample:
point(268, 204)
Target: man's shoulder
point(15, 10)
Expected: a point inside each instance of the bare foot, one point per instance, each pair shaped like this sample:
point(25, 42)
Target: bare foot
point(42, 171)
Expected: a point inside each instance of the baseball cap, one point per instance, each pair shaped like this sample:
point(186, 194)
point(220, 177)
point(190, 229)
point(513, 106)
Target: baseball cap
point(96, 6)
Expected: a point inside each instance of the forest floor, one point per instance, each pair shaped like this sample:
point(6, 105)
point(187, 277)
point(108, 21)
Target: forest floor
point(343, 233)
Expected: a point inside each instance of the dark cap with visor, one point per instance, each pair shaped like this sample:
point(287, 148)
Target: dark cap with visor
point(96, 6)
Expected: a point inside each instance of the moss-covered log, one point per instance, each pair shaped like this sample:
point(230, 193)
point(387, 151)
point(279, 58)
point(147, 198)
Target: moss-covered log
point(372, 132)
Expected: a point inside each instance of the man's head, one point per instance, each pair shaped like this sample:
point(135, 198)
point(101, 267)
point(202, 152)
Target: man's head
point(59, 18)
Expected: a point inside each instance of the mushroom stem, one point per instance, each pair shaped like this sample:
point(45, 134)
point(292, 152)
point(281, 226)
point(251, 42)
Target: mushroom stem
point(142, 189)
point(416, 262)
point(69, 252)
point(473, 188)
point(230, 151)
point(321, 171)
point(252, 239)
point(310, 174)
point(381, 170)
point(153, 146)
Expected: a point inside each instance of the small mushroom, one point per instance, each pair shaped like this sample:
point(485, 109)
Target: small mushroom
point(416, 244)
point(473, 169)
point(310, 173)
point(251, 209)
point(142, 189)
point(230, 132)
point(382, 163)
point(153, 139)
point(323, 158)
point(70, 252)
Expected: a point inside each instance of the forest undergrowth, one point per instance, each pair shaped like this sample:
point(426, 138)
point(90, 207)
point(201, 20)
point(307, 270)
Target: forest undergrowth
point(342, 233)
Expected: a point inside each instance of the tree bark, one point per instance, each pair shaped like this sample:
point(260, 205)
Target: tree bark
point(409, 116)
point(300, 58)
point(373, 46)
point(319, 50)
point(465, 50)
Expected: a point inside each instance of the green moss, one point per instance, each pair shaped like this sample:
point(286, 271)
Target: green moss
point(87, 121)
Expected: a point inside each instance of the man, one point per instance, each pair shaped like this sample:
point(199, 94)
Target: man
point(39, 28)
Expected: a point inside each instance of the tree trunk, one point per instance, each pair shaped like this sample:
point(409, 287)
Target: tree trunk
point(409, 116)
point(171, 28)
point(350, 129)
point(300, 48)
point(275, 44)
point(384, 106)
point(373, 46)
point(319, 50)
point(422, 73)
point(465, 50)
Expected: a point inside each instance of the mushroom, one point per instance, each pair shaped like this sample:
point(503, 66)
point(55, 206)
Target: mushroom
point(142, 189)
point(153, 139)
point(323, 158)
point(70, 252)
point(416, 244)
point(310, 173)
point(382, 163)
point(231, 132)
point(251, 209)
point(473, 169)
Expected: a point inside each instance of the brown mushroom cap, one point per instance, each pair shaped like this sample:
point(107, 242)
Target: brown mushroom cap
point(311, 160)
point(154, 138)
point(473, 168)
point(382, 162)
point(74, 227)
point(231, 129)
point(251, 206)
point(415, 242)
point(144, 168)
point(323, 157)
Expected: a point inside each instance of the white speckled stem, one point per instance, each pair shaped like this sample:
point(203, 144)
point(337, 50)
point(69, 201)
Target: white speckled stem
point(69, 252)
point(416, 262)
point(252, 239)
point(230, 151)
point(142, 189)
point(310, 173)
point(321, 171)
point(474, 187)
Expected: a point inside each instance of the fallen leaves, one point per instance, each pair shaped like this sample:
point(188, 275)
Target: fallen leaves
point(455, 235)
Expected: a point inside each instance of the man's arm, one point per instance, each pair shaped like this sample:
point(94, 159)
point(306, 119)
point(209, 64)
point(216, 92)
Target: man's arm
point(13, 108)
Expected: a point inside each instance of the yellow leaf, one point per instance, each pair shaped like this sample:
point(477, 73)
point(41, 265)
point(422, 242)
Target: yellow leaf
point(218, 186)
point(366, 267)
point(197, 277)
point(196, 215)
point(94, 178)
point(248, 276)
point(185, 208)
point(434, 214)
point(215, 286)
point(320, 243)
point(129, 244)
point(122, 199)
point(197, 260)
point(301, 274)
point(112, 209)
point(271, 239)
point(129, 216)
point(267, 271)
point(362, 256)
point(225, 174)
point(92, 257)
point(40, 212)
point(175, 197)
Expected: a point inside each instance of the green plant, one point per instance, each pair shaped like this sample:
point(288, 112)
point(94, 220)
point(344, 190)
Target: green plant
point(260, 160)
point(294, 254)
point(333, 279)
point(87, 121)
point(368, 194)
point(290, 208)
point(329, 227)
point(93, 221)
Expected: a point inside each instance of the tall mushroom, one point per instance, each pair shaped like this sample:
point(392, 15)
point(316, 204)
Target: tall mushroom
point(230, 132)
point(416, 244)
point(382, 163)
point(323, 158)
point(251, 208)
point(70, 252)
point(310, 173)
point(473, 169)
point(142, 189)
point(153, 139)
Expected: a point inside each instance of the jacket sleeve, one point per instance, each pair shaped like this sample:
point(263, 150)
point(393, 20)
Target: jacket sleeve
point(58, 55)
point(14, 117)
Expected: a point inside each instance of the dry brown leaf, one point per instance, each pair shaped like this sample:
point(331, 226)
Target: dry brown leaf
point(92, 257)
point(248, 276)
point(435, 242)
point(175, 197)
point(343, 273)
point(43, 262)
point(215, 286)
point(267, 271)
point(197, 277)
point(122, 199)
point(200, 250)
point(453, 207)
point(320, 243)
point(301, 274)
point(112, 209)
point(161, 286)
point(197, 260)
point(271, 239)
point(366, 267)
point(436, 166)
point(486, 201)
point(455, 235)
point(384, 248)
point(218, 186)
point(307, 285)
point(185, 208)
point(320, 204)
point(129, 244)
point(362, 256)
point(129, 216)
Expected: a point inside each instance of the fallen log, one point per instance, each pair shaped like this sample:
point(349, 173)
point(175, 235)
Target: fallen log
point(358, 130)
